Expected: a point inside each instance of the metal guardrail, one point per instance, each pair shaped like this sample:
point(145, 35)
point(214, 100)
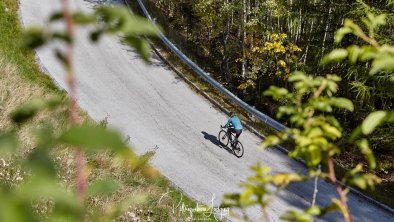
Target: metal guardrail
point(257, 114)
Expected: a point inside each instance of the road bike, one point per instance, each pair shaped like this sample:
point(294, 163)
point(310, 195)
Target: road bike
point(226, 137)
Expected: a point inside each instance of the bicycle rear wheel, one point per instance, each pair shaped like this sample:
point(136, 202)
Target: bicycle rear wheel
point(238, 149)
point(223, 138)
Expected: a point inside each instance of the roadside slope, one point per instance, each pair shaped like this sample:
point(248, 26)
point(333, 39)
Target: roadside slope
point(20, 81)
point(155, 108)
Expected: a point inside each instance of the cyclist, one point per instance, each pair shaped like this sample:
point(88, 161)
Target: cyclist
point(234, 125)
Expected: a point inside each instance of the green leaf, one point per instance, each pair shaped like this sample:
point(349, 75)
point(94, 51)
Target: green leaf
point(276, 93)
point(56, 16)
point(141, 45)
point(356, 30)
point(92, 138)
point(314, 210)
point(231, 200)
point(335, 56)
point(342, 103)
point(365, 149)
point(140, 26)
point(368, 52)
point(378, 20)
point(34, 37)
point(245, 197)
point(320, 104)
point(8, 143)
point(341, 33)
point(295, 216)
point(83, 19)
point(359, 179)
point(337, 204)
point(334, 78)
point(354, 53)
point(27, 110)
point(283, 179)
point(356, 132)
point(270, 141)
point(314, 132)
point(390, 116)
point(297, 76)
point(30, 108)
point(386, 50)
point(385, 63)
point(364, 181)
point(119, 19)
point(62, 36)
point(331, 131)
point(41, 163)
point(315, 156)
point(95, 35)
point(61, 57)
point(54, 102)
point(372, 121)
point(286, 110)
point(44, 137)
point(102, 187)
point(359, 182)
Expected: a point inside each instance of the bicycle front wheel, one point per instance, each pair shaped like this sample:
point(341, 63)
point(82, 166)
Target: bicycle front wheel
point(223, 138)
point(238, 149)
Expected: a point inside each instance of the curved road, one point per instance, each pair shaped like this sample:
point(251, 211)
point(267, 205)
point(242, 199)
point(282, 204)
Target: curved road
point(155, 108)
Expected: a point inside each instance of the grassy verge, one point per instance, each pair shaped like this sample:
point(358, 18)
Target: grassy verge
point(383, 192)
point(22, 80)
point(10, 47)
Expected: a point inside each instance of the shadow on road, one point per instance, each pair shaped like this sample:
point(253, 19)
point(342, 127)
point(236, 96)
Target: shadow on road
point(215, 141)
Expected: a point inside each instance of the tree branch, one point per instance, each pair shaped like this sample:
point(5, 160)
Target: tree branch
point(347, 216)
point(73, 108)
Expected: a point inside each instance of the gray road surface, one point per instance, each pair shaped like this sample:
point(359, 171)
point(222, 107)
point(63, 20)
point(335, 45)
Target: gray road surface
point(155, 108)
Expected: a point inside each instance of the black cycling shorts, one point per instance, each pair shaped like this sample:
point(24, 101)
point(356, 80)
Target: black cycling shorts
point(236, 131)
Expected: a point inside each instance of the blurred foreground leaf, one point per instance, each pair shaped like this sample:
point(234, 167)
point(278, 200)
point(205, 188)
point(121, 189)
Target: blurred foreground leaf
point(92, 139)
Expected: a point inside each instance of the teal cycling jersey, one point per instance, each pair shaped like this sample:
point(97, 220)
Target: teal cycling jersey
point(234, 122)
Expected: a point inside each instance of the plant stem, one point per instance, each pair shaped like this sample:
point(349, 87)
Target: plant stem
point(315, 190)
point(346, 214)
point(367, 39)
point(73, 108)
point(267, 219)
point(316, 94)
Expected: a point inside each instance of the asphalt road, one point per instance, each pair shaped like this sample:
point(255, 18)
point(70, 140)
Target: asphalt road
point(156, 108)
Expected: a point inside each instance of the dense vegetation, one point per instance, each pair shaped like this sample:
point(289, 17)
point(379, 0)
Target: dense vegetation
point(249, 45)
point(315, 132)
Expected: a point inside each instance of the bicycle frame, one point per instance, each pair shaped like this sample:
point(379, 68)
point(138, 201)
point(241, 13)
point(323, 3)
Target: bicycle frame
point(230, 135)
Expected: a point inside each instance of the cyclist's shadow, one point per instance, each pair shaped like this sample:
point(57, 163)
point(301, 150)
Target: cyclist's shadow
point(215, 141)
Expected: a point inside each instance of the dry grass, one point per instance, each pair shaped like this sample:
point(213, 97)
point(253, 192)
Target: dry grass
point(14, 91)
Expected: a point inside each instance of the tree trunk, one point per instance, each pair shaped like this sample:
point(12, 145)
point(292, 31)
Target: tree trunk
point(243, 29)
point(225, 63)
point(326, 30)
